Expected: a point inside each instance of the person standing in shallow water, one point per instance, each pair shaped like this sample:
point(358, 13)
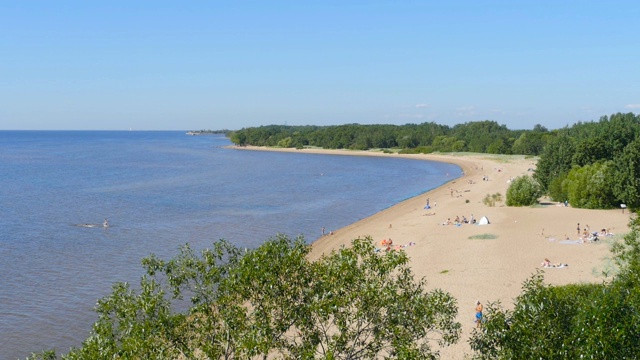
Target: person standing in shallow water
point(478, 314)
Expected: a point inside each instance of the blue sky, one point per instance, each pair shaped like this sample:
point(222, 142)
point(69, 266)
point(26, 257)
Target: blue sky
point(170, 65)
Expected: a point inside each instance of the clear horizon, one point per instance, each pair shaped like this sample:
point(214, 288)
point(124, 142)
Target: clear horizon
point(161, 65)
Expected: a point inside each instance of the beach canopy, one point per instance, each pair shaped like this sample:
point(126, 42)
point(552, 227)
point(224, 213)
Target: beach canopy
point(483, 221)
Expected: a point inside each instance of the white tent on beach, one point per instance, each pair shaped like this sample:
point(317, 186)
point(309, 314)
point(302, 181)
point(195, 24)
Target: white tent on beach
point(483, 221)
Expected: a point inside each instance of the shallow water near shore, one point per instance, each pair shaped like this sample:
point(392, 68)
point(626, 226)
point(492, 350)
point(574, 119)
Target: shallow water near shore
point(158, 190)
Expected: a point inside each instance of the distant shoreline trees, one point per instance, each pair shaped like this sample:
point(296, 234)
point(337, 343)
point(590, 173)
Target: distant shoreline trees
point(482, 136)
point(590, 164)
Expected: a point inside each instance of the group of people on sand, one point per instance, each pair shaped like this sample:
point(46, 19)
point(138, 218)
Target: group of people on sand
point(459, 221)
point(428, 205)
point(584, 234)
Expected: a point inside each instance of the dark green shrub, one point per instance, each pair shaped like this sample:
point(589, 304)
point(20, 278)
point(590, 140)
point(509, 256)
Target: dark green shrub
point(523, 191)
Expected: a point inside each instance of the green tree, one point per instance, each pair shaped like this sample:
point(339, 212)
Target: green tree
point(286, 142)
point(555, 160)
point(556, 191)
point(353, 303)
point(590, 186)
point(523, 191)
point(589, 151)
point(626, 174)
point(238, 137)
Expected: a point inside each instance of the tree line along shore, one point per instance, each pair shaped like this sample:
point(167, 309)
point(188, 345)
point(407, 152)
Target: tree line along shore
point(590, 165)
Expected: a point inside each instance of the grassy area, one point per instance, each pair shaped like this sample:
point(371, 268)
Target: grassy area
point(483, 237)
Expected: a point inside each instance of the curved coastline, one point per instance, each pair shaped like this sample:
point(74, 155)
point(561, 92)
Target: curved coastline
point(489, 270)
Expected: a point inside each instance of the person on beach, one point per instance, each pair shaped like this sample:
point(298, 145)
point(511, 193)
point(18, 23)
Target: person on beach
point(478, 314)
point(578, 229)
point(585, 234)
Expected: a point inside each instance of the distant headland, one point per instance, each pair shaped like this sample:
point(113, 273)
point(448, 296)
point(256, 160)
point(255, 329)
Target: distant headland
point(207, 132)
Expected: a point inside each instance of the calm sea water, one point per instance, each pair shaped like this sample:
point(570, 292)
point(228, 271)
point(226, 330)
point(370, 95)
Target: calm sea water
point(158, 190)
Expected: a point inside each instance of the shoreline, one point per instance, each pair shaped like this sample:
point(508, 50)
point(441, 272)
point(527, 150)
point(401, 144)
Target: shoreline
point(515, 242)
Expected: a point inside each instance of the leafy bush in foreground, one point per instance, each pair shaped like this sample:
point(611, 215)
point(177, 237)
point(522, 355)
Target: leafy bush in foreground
point(354, 303)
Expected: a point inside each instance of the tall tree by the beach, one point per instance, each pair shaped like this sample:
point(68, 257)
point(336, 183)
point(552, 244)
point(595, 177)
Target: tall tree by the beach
point(585, 145)
point(555, 161)
point(531, 142)
point(591, 186)
point(354, 303)
point(626, 185)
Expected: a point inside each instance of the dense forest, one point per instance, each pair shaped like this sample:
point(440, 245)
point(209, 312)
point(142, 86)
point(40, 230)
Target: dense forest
point(589, 164)
point(481, 136)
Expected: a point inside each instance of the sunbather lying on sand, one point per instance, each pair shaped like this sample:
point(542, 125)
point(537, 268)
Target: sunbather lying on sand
point(547, 264)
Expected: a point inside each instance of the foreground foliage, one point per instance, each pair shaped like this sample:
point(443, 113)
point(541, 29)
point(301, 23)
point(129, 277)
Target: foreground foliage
point(272, 301)
point(586, 321)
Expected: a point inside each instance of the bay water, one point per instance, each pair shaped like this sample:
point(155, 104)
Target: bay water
point(158, 191)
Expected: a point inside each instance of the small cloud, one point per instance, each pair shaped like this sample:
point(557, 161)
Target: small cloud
point(410, 116)
point(632, 106)
point(419, 106)
point(466, 111)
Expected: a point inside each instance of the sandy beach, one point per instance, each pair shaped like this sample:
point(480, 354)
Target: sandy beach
point(482, 269)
